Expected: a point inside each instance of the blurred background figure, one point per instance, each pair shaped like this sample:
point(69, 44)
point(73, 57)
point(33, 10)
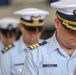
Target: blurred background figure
point(9, 31)
point(31, 26)
point(9, 6)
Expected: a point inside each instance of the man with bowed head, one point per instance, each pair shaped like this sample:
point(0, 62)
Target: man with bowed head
point(9, 31)
point(31, 27)
point(58, 55)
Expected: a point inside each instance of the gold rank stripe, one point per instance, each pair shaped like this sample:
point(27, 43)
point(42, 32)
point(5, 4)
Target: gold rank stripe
point(6, 48)
point(34, 46)
point(64, 20)
point(31, 47)
point(10, 46)
point(37, 44)
point(32, 24)
point(4, 51)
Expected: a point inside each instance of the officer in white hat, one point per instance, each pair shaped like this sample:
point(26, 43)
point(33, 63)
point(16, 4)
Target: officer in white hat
point(58, 55)
point(31, 26)
point(9, 31)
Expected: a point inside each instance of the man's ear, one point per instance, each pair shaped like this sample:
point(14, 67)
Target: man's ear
point(56, 22)
point(20, 27)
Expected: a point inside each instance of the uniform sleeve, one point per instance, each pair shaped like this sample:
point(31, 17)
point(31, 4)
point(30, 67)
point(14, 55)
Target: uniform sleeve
point(29, 68)
point(5, 64)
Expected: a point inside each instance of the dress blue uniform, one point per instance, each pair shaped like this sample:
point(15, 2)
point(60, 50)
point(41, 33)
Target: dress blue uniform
point(49, 59)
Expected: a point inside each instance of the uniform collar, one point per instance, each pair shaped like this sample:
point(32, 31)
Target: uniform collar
point(22, 44)
point(54, 45)
point(74, 53)
point(40, 40)
point(2, 45)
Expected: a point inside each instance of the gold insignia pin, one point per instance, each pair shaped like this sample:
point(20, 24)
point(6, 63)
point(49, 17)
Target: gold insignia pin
point(36, 19)
point(10, 27)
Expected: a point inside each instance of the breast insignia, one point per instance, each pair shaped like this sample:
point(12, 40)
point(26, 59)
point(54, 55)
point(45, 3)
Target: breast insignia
point(33, 46)
point(7, 48)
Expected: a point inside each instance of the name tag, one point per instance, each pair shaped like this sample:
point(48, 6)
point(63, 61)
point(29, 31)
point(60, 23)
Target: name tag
point(49, 65)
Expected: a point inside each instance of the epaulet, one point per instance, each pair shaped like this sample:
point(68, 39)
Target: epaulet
point(33, 46)
point(7, 48)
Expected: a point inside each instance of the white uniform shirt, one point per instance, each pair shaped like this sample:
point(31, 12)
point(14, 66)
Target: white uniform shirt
point(13, 60)
point(49, 59)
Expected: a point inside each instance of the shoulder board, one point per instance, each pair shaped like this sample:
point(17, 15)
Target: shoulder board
point(33, 46)
point(7, 48)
